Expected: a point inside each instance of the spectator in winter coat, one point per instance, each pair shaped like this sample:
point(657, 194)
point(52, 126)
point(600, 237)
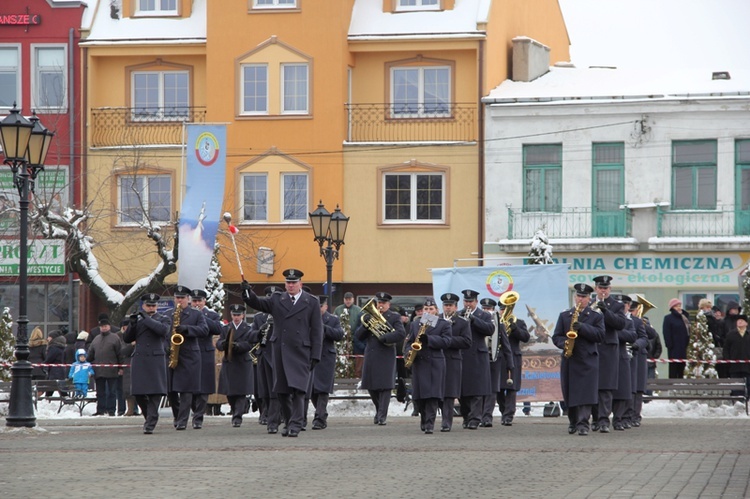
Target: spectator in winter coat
point(106, 349)
point(37, 353)
point(55, 356)
point(737, 347)
point(730, 319)
point(676, 331)
point(80, 372)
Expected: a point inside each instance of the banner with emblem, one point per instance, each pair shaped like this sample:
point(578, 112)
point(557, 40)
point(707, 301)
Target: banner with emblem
point(200, 214)
point(543, 291)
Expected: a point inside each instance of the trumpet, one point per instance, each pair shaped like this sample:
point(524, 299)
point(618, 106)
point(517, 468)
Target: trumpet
point(376, 323)
point(176, 339)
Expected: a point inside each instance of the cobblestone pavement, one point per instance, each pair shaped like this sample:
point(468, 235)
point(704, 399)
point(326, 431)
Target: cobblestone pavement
point(352, 458)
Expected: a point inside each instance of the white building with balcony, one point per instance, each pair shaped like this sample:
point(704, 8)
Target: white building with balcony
point(640, 174)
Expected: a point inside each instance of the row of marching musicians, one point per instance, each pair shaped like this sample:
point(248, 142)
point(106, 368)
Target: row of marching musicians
point(604, 362)
point(453, 355)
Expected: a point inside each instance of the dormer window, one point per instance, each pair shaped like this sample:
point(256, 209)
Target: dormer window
point(156, 8)
point(418, 5)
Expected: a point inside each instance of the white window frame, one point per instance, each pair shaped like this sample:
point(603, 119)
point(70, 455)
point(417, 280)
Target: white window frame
point(17, 68)
point(145, 198)
point(244, 111)
point(157, 10)
point(275, 4)
point(421, 111)
point(36, 102)
point(413, 199)
point(418, 5)
point(159, 115)
point(283, 68)
point(282, 213)
point(242, 211)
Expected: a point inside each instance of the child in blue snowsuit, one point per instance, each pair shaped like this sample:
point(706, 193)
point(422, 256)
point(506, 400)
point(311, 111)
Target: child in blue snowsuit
point(80, 372)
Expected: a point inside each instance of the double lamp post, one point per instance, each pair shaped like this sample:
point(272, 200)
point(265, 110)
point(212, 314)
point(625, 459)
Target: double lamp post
point(25, 143)
point(329, 229)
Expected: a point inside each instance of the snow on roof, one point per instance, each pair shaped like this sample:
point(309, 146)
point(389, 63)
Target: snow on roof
point(572, 85)
point(369, 22)
point(139, 30)
point(658, 34)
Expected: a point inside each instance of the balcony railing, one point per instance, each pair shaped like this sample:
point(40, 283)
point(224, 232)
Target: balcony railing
point(579, 223)
point(450, 122)
point(725, 220)
point(127, 126)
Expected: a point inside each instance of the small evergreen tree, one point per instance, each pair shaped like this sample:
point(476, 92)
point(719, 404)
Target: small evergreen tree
point(214, 286)
point(7, 344)
point(700, 348)
point(344, 361)
point(745, 298)
point(541, 249)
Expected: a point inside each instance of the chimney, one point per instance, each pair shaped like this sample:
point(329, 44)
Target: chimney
point(530, 59)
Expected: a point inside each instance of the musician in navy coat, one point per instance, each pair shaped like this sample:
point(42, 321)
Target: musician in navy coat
point(379, 369)
point(579, 373)
point(236, 376)
point(623, 395)
point(185, 379)
point(475, 378)
point(208, 356)
point(500, 368)
point(428, 369)
point(296, 344)
point(324, 373)
point(613, 313)
point(460, 340)
point(506, 397)
point(262, 327)
point(638, 367)
point(148, 366)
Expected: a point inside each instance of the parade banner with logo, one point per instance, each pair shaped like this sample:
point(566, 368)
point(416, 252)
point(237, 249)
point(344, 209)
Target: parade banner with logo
point(200, 213)
point(543, 291)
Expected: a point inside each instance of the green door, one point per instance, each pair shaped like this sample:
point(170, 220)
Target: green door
point(742, 206)
point(608, 220)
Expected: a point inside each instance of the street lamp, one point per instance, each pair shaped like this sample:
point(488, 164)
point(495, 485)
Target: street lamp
point(329, 229)
point(25, 143)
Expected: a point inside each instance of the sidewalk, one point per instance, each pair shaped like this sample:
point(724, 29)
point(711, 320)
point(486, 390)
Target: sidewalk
point(104, 456)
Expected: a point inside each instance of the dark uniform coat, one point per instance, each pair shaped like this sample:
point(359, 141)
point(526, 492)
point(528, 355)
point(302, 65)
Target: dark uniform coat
point(460, 340)
point(379, 369)
point(518, 334)
point(624, 387)
point(148, 364)
point(638, 364)
point(264, 367)
point(186, 377)
point(579, 374)
point(475, 375)
point(236, 376)
point(504, 360)
point(297, 337)
point(208, 351)
point(428, 369)
point(609, 349)
point(325, 371)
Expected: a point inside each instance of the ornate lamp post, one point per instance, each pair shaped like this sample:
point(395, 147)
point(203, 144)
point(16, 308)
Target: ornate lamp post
point(25, 144)
point(329, 229)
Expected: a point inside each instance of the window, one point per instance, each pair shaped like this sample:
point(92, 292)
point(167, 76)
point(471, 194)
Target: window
point(294, 88)
point(144, 197)
point(9, 77)
point(161, 95)
point(255, 198)
point(420, 91)
point(542, 177)
point(275, 4)
point(48, 85)
point(157, 7)
point(743, 174)
point(694, 175)
point(255, 89)
point(414, 197)
point(294, 197)
point(418, 4)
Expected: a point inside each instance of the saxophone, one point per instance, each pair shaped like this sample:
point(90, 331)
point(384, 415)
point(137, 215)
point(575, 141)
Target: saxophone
point(176, 339)
point(572, 334)
point(416, 346)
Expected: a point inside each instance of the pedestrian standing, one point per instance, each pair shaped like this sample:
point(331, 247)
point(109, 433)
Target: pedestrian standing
point(106, 348)
point(676, 331)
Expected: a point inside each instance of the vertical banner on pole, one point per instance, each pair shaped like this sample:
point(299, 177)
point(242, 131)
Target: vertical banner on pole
point(543, 291)
point(200, 213)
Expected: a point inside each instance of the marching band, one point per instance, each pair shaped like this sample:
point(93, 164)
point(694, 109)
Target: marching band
point(286, 357)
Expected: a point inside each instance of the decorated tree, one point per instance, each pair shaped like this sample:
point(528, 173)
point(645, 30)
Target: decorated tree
point(344, 361)
point(214, 286)
point(541, 249)
point(745, 291)
point(700, 348)
point(7, 343)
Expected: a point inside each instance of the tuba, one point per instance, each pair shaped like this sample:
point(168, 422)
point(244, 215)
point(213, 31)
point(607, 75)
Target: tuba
point(176, 339)
point(376, 323)
point(643, 306)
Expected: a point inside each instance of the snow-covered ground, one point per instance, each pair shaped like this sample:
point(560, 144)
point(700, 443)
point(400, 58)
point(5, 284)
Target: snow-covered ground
point(363, 408)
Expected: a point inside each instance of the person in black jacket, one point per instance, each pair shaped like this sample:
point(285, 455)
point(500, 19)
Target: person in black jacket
point(737, 347)
point(654, 350)
point(676, 331)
